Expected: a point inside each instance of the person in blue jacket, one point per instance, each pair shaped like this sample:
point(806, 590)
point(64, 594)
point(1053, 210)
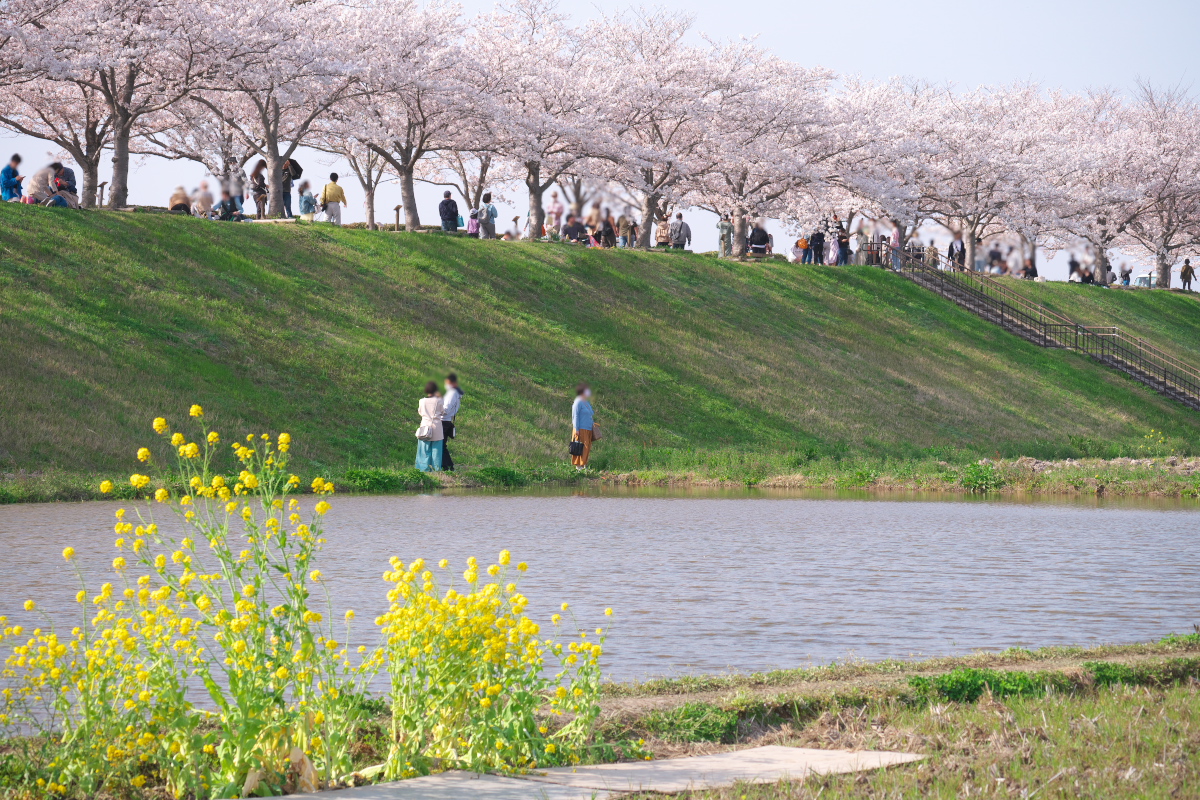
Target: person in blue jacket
point(582, 425)
point(10, 180)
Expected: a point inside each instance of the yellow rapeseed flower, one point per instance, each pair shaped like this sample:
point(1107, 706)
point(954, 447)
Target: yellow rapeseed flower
point(505, 558)
point(177, 439)
point(214, 437)
point(196, 411)
point(349, 614)
point(444, 563)
point(522, 567)
point(160, 425)
point(143, 454)
point(322, 507)
point(162, 495)
point(315, 575)
point(68, 553)
point(119, 563)
point(106, 487)
point(138, 481)
point(565, 606)
point(608, 612)
point(30, 605)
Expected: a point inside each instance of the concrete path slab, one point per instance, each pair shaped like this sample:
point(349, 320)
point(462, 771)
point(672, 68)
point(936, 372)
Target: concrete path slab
point(756, 765)
point(460, 786)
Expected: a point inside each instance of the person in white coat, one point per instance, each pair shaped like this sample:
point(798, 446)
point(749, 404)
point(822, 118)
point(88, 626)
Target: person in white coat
point(429, 434)
point(449, 411)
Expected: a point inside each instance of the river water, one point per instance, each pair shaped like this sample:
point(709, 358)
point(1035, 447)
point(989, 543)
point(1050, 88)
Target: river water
point(716, 582)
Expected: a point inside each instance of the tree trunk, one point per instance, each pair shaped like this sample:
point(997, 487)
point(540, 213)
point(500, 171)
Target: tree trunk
point(119, 188)
point(649, 212)
point(1162, 261)
point(408, 198)
point(739, 234)
point(370, 201)
point(1102, 266)
point(969, 241)
point(537, 214)
point(91, 177)
point(274, 183)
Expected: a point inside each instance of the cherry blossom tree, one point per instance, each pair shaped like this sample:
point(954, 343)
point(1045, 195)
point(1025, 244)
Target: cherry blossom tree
point(140, 56)
point(774, 131)
point(1166, 169)
point(660, 116)
point(189, 130)
point(547, 85)
point(73, 116)
point(294, 62)
point(414, 94)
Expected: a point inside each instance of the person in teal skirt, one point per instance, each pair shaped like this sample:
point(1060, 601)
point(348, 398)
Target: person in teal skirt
point(429, 434)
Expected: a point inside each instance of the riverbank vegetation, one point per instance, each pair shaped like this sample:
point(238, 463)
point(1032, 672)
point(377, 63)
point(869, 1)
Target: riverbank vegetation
point(1115, 722)
point(705, 371)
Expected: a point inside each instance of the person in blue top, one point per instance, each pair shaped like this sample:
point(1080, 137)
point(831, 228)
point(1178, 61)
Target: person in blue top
point(10, 180)
point(582, 424)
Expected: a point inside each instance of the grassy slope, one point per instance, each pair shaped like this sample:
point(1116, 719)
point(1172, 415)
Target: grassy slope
point(109, 319)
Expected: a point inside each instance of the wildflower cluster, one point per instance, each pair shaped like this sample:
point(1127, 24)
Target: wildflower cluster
point(210, 665)
point(469, 674)
point(207, 624)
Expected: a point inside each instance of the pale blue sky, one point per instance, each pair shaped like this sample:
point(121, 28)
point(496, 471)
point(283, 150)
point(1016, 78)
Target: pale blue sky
point(1070, 44)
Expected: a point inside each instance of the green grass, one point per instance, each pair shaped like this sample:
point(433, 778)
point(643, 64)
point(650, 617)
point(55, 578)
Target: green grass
point(729, 371)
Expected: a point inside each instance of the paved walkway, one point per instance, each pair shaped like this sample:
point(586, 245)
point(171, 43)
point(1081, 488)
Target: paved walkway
point(756, 765)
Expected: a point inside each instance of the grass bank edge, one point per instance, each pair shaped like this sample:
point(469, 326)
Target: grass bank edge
point(1083, 478)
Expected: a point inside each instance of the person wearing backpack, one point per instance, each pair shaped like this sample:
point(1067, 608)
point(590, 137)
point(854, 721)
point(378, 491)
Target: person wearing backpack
point(473, 222)
point(308, 203)
point(487, 217)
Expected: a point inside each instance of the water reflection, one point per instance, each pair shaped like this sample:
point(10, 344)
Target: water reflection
point(713, 581)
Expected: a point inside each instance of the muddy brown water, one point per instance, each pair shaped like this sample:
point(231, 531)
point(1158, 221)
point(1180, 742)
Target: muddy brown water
point(706, 582)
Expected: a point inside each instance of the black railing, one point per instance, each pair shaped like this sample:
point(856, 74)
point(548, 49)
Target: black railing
point(997, 303)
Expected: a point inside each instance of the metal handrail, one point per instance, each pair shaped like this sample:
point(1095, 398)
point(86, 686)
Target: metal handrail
point(988, 297)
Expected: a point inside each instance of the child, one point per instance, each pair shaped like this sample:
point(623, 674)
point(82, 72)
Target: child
point(308, 203)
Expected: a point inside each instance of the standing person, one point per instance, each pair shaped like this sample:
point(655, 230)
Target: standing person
point(816, 243)
point(931, 255)
point(956, 253)
point(662, 231)
point(448, 212)
point(258, 189)
point(861, 241)
point(555, 210)
point(10, 180)
point(1186, 274)
point(625, 228)
point(759, 239)
point(608, 230)
point(843, 238)
point(429, 435)
point(725, 236)
point(450, 405)
point(308, 203)
point(594, 220)
point(332, 200)
point(582, 424)
point(237, 188)
point(681, 234)
point(291, 171)
point(487, 217)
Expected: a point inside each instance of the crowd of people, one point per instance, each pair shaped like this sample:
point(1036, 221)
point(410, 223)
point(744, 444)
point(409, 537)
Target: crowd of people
point(239, 190)
point(597, 228)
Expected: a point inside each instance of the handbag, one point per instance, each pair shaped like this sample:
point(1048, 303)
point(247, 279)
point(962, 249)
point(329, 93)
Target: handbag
point(426, 432)
point(595, 433)
point(575, 448)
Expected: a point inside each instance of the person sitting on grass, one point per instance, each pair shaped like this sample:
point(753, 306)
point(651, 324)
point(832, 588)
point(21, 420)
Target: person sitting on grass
point(227, 210)
point(574, 230)
point(10, 180)
point(180, 203)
